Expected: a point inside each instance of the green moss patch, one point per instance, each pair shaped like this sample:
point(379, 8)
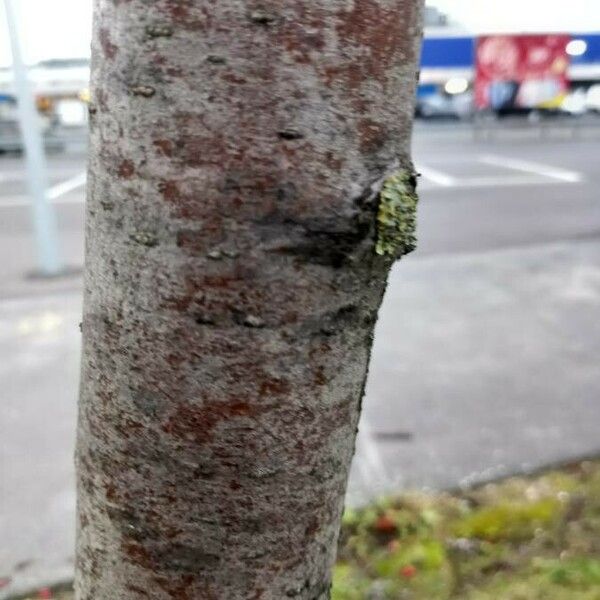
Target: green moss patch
point(525, 538)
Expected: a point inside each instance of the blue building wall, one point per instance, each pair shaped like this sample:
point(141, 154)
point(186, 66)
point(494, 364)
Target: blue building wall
point(592, 54)
point(451, 52)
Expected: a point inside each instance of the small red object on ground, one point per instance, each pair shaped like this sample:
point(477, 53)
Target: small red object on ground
point(408, 571)
point(45, 593)
point(385, 524)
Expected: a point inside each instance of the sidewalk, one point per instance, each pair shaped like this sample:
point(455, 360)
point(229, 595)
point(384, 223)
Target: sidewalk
point(484, 364)
point(487, 364)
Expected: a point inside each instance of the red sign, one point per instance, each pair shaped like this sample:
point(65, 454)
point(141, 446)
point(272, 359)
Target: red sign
point(521, 71)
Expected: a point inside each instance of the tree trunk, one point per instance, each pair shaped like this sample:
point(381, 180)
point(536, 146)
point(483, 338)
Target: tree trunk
point(249, 187)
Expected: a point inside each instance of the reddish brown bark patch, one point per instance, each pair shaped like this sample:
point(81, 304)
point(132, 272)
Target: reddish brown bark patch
point(102, 99)
point(110, 50)
point(138, 554)
point(170, 191)
point(185, 14)
point(111, 493)
point(197, 422)
point(378, 32)
point(301, 39)
point(371, 135)
point(126, 169)
point(174, 72)
point(178, 9)
point(192, 241)
point(333, 162)
point(180, 590)
point(164, 147)
point(185, 206)
point(137, 590)
point(373, 26)
point(273, 387)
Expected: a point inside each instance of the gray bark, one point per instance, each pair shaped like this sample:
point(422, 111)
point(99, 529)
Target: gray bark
point(232, 286)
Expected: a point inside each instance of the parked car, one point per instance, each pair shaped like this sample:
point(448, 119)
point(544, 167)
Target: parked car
point(592, 98)
point(10, 133)
point(575, 102)
point(442, 104)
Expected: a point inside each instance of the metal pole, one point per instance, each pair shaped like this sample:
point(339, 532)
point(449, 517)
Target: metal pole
point(44, 218)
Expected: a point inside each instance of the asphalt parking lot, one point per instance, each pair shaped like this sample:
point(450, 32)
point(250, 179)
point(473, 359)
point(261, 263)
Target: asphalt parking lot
point(486, 348)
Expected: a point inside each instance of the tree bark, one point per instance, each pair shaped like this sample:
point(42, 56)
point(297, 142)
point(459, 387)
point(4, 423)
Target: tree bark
point(237, 251)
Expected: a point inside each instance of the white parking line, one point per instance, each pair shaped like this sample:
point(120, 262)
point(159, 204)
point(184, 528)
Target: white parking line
point(534, 174)
point(531, 167)
point(55, 194)
point(66, 186)
point(435, 176)
point(504, 181)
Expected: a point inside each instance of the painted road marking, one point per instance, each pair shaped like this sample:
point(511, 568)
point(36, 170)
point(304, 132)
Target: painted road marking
point(67, 186)
point(55, 194)
point(436, 176)
point(502, 181)
point(531, 167)
point(534, 173)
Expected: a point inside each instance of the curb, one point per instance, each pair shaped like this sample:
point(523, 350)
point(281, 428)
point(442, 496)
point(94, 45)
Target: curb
point(27, 583)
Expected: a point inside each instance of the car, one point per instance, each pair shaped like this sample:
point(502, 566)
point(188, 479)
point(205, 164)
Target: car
point(10, 133)
point(592, 98)
point(574, 103)
point(441, 104)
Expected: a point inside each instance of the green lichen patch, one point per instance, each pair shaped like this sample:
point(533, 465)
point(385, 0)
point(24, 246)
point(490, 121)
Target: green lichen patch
point(397, 215)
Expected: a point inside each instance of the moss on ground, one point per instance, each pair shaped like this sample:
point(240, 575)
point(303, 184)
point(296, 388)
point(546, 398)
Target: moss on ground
point(524, 538)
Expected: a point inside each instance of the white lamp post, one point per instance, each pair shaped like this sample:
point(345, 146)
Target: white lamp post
point(44, 219)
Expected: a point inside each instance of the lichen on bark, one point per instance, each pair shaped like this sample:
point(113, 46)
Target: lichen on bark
point(397, 215)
